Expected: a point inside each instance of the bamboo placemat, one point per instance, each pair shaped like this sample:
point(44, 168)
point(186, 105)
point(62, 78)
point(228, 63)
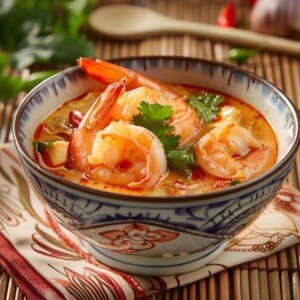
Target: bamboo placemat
point(275, 277)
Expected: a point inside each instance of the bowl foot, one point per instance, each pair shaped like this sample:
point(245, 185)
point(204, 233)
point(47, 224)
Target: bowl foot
point(155, 266)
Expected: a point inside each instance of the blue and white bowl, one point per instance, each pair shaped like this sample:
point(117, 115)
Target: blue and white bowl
point(159, 235)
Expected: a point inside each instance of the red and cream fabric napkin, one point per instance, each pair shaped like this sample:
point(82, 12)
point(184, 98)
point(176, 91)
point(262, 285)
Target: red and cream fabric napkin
point(47, 261)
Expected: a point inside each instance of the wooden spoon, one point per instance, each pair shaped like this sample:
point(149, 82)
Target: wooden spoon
point(133, 22)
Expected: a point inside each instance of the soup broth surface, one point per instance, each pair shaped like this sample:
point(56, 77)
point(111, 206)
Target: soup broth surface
point(56, 127)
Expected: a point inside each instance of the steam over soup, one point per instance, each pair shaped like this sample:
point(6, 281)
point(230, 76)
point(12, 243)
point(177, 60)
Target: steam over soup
point(138, 136)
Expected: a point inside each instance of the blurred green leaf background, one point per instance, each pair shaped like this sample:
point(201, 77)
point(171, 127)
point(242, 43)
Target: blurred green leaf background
point(43, 32)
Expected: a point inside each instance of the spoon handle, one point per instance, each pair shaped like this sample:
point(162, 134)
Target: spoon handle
point(233, 35)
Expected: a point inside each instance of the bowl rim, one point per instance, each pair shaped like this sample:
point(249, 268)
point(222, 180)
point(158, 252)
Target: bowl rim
point(165, 199)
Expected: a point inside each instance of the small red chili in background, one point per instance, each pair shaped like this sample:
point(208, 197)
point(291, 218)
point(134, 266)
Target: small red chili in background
point(75, 118)
point(227, 16)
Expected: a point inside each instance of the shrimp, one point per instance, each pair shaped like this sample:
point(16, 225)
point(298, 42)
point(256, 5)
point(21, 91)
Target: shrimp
point(127, 155)
point(141, 88)
point(230, 113)
point(96, 118)
point(186, 123)
point(108, 73)
point(230, 151)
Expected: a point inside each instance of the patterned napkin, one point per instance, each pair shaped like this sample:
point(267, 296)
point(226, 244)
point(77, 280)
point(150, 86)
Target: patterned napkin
point(48, 262)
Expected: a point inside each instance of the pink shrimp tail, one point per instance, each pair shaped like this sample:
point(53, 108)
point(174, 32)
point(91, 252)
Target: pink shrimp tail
point(96, 119)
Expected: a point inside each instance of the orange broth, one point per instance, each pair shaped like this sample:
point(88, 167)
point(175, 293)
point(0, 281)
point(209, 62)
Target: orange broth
point(174, 183)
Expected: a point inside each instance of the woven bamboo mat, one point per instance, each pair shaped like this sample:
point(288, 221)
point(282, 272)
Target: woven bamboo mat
point(275, 277)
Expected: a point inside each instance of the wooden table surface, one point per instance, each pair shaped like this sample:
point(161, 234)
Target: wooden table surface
point(274, 277)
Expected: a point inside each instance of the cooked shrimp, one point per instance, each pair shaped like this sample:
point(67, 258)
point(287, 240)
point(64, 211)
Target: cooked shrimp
point(96, 118)
point(108, 73)
point(127, 155)
point(186, 123)
point(230, 113)
point(230, 151)
point(142, 88)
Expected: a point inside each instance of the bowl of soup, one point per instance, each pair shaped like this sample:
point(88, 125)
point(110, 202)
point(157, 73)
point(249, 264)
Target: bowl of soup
point(156, 162)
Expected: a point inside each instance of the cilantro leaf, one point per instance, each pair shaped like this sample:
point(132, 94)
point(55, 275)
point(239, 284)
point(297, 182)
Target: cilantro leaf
point(41, 146)
point(206, 105)
point(153, 117)
point(159, 128)
point(181, 160)
point(169, 142)
point(156, 112)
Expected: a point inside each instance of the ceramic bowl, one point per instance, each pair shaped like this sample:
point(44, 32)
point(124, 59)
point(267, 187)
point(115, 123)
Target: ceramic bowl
point(159, 235)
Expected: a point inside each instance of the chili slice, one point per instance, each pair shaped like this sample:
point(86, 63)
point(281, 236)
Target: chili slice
point(227, 16)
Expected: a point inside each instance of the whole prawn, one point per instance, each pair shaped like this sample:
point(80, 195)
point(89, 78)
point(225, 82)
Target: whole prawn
point(230, 151)
point(116, 152)
point(96, 118)
point(141, 88)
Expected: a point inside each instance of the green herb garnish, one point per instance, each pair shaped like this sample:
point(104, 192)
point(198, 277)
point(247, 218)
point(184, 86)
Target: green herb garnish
point(11, 86)
point(235, 182)
point(44, 31)
point(41, 146)
point(206, 106)
point(181, 160)
point(154, 117)
point(240, 55)
point(39, 32)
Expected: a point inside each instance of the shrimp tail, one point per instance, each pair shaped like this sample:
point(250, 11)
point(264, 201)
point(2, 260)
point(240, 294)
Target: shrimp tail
point(97, 118)
point(108, 73)
point(103, 71)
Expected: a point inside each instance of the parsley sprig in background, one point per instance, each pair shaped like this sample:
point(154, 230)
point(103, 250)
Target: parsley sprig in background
point(39, 32)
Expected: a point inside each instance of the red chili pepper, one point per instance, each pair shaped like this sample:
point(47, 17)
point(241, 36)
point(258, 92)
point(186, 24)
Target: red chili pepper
point(75, 118)
point(227, 16)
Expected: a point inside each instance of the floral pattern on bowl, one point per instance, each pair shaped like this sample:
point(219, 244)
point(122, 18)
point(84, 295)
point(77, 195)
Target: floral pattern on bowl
point(136, 237)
